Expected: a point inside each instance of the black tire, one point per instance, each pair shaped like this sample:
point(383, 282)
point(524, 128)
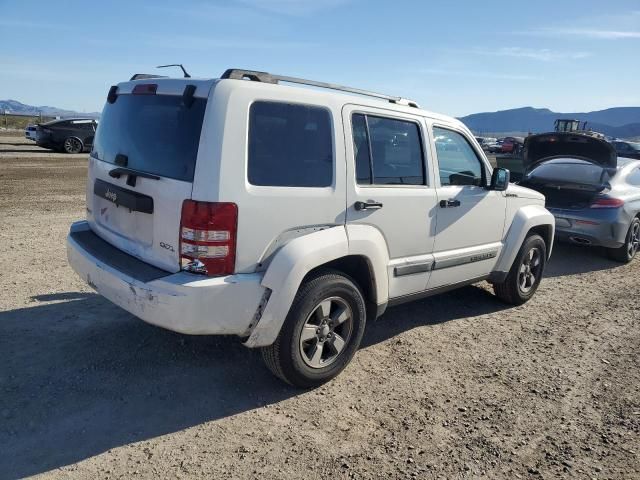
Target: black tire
point(518, 288)
point(289, 356)
point(72, 145)
point(626, 252)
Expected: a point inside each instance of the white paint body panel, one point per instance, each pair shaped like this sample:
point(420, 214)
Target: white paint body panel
point(406, 221)
point(284, 233)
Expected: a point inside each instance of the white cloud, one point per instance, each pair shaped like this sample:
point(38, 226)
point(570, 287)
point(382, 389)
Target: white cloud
point(294, 7)
point(193, 42)
point(541, 54)
point(474, 74)
point(588, 33)
point(27, 24)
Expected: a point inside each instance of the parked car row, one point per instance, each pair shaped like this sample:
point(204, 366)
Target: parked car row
point(512, 145)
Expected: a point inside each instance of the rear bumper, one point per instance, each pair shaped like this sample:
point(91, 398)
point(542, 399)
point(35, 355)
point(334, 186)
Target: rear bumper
point(594, 228)
point(182, 302)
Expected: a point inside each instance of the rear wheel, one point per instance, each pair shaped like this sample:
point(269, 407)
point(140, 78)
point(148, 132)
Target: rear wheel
point(631, 245)
point(321, 333)
point(72, 145)
point(525, 274)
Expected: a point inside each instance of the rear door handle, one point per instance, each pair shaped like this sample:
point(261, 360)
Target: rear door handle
point(367, 205)
point(449, 203)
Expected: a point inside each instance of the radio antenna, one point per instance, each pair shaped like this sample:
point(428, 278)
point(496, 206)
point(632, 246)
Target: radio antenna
point(186, 75)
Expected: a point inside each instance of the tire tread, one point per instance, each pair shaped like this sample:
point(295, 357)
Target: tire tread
point(272, 354)
point(507, 291)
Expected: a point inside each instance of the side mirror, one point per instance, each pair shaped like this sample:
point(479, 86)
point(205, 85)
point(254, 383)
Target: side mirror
point(500, 179)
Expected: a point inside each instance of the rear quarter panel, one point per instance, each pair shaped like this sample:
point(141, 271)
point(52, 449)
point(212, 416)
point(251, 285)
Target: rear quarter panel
point(267, 216)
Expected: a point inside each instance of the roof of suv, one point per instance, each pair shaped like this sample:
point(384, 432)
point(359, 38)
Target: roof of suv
point(245, 78)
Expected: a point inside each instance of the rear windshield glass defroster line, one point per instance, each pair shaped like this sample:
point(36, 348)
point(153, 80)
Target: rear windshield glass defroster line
point(158, 134)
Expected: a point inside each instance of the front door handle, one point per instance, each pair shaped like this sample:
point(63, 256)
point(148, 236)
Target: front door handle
point(449, 203)
point(372, 205)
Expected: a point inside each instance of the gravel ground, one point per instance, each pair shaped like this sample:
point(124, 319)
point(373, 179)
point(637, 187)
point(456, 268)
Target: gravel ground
point(455, 386)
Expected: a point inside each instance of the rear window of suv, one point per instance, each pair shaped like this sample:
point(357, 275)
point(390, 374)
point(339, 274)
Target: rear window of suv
point(290, 145)
point(157, 133)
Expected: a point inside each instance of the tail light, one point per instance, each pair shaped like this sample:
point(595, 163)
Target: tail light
point(607, 202)
point(208, 237)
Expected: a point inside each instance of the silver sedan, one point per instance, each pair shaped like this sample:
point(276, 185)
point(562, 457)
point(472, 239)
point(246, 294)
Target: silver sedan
point(593, 195)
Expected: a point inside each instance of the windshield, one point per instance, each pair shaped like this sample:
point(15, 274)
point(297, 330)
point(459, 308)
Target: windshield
point(157, 133)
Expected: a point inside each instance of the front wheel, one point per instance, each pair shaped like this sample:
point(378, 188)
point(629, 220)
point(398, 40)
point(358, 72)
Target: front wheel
point(526, 272)
point(626, 252)
point(321, 333)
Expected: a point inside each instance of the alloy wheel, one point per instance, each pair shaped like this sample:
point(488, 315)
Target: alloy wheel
point(72, 145)
point(326, 332)
point(530, 270)
point(634, 240)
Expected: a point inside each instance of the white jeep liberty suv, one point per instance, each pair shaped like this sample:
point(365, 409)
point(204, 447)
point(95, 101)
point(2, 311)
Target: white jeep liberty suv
point(289, 216)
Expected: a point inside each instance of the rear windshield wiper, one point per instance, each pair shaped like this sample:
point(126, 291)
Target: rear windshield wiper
point(116, 172)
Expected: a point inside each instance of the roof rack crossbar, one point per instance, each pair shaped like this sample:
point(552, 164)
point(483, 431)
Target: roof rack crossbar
point(240, 74)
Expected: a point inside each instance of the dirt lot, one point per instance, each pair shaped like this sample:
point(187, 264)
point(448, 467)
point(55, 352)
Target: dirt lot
point(455, 386)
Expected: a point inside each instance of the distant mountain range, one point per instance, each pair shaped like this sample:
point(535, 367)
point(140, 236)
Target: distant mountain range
point(619, 122)
point(622, 122)
point(18, 108)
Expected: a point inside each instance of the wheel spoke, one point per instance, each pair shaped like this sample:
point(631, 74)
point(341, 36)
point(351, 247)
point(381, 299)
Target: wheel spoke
point(536, 259)
point(337, 343)
point(340, 316)
point(316, 357)
point(308, 332)
point(325, 308)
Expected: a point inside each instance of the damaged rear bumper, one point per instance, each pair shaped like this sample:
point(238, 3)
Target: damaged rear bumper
point(182, 302)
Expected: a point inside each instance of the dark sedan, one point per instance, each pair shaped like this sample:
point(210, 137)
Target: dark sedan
point(627, 149)
point(71, 135)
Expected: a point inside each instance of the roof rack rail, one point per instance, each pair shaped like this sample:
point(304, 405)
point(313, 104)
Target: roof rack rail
point(144, 76)
point(264, 77)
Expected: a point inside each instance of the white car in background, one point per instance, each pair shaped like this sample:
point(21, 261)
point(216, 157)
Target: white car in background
point(291, 216)
point(30, 132)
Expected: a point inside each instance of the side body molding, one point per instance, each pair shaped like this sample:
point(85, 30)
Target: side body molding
point(526, 218)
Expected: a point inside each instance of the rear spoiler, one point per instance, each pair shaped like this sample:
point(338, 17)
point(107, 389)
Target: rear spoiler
point(545, 146)
point(145, 76)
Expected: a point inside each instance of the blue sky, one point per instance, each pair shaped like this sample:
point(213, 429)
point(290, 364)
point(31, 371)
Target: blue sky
point(452, 57)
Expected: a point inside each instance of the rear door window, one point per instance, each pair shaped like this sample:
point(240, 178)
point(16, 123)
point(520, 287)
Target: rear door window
point(290, 145)
point(158, 134)
point(388, 151)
